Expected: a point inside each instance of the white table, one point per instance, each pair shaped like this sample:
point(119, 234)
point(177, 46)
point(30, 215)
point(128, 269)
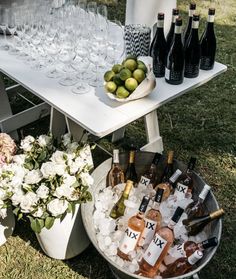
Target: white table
point(94, 111)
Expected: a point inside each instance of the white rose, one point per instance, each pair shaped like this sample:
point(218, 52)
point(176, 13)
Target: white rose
point(69, 180)
point(48, 169)
point(33, 177)
point(64, 191)
point(57, 207)
point(3, 195)
point(42, 192)
point(60, 169)
point(44, 140)
point(28, 201)
point(86, 155)
point(72, 147)
point(19, 159)
point(26, 143)
point(38, 213)
point(3, 212)
point(66, 139)
point(17, 197)
point(58, 157)
point(86, 179)
point(77, 165)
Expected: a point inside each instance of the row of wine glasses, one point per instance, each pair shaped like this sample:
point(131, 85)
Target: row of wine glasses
point(74, 43)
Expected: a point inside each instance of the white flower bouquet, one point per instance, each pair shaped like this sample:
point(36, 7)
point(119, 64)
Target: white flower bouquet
point(45, 183)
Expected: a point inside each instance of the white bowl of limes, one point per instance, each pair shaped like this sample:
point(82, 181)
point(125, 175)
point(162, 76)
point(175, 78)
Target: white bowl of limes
point(129, 81)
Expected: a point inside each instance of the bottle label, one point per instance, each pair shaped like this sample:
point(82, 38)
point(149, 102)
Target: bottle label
point(176, 76)
point(144, 181)
point(160, 23)
point(148, 232)
point(116, 157)
point(191, 70)
point(181, 190)
point(174, 18)
point(178, 251)
point(175, 176)
point(129, 241)
point(154, 250)
point(167, 74)
point(191, 12)
point(178, 29)
point(211, 18)
point(204, 193)
point(195, 24)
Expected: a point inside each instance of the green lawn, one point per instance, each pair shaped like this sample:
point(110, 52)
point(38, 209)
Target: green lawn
point(202, 122)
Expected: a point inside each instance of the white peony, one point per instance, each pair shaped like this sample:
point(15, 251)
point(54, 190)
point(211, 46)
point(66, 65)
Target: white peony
point(60, 169)
point(86, 155)
point(38, 213)
point(86, 179)
point(44, 140)
point(66, 139)
point(29, 200)
point(48, 169)
point(77, 165)
point(19, 159)
point(69, 180)
point(42, 192)
point(58, 157)
point(26, 143)
point(64, 191)
point(3, 195)
point(57, 207)
point(33, 177)
point(17, 197)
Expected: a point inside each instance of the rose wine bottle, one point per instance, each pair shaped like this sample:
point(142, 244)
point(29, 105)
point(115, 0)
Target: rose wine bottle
point(150, 177)
point(152, 220)
point(158, 49)
point(208, 43)
point(187, 248)
point(192, 51)
point(182, 265)
point(185, 181)
point(130, 173)
point(116, 174)
point(174, 73)
point(158, 248)
point(170, 35)
point(136, 225)
point(168, 186)
point(119, 208)
point(196, 208)
point(197, 224)
point(192, 8)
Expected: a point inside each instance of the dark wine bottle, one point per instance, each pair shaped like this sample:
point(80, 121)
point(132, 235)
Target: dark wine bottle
point(175, 60)
point(130, 173)
point(192, 51)
point(197, 224)
point(150, 177)
point(192, 8)
point(158, 50)
point(170, 35)
point(169, 168)
point(208, 43)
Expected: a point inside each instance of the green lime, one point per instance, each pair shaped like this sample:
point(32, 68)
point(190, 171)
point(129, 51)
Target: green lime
point(116, 68)
point(125, 73)
point(109, 75)
point(139, 75)
point(110, 86)
point(142, 66)
point(117, 80)
point(131, 84)
point(121, 92)
point(131, 64)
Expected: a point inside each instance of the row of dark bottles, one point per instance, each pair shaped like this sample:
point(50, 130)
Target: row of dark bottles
point(181, 54)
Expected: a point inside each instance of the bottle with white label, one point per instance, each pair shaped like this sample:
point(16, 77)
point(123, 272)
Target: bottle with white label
point(159, 246)
point(150, 177)
point(115, 175)
point(182, 265)
point(192, 8)
point(152, 220)
point(192, 51)
point(174, 73)
point(136, 225)
point(168, 186)
point(185, 181)
point(196, 208)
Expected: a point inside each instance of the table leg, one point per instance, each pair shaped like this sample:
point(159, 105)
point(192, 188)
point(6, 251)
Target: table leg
point(76, 131)
point(57, 123)
point(154, 139)
point(5, 108)
point(118, 134)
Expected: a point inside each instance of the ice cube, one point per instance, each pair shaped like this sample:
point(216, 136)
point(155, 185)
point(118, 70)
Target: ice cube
point(107, 240)
point(133, 268)
point(132, 255)
point(168, 260)
point(120, 261)
point(117, 235)
point(111, 250)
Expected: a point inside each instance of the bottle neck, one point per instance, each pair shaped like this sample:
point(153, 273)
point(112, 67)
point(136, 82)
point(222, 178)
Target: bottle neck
point(156, 206)
point(178, 32)
point(171, 225)
point(210, 27)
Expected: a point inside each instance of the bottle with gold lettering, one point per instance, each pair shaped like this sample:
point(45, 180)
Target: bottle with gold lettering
point(130, 173)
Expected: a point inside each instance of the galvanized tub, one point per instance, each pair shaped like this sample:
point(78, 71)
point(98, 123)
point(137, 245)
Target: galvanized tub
point(142, 162)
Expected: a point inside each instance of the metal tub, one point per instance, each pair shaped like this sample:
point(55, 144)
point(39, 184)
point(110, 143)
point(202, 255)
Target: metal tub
point(142, 162)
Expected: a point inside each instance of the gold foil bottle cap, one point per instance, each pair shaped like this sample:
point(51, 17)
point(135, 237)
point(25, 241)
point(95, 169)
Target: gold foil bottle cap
point(170, 157)
point(217, 213)
point(128, 187)
point(131, 156)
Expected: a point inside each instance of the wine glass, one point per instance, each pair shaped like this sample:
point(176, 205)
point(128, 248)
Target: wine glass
point(4, 13)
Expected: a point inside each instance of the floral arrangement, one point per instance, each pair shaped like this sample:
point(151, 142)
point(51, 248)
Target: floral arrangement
point(44, 182)
point(7, 148)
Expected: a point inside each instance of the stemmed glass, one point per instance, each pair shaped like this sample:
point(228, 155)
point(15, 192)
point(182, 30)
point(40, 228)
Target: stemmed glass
point(4, 14)
point(12, 29)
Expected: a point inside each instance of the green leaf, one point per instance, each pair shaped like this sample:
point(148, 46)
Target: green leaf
point(35, 225)
point(73, 208)
point(41, 223)
point(69, 209)
point(16, 210)
point(49, 221)
point(20, 216)
point(42, 156)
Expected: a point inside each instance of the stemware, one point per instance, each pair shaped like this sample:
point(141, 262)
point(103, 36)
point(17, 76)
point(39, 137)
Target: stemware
point(4, 15)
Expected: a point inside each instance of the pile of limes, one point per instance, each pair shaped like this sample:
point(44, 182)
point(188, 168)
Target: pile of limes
point(124, 78)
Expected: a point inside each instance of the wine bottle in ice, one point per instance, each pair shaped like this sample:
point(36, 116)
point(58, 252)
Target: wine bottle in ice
point(116, 174)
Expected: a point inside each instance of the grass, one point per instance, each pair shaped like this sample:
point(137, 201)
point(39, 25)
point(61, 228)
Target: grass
point(201, 122)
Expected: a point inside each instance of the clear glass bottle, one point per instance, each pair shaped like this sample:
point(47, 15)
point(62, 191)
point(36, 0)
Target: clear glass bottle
point(130, 173)
point(197, 224)
point(182, 265)
point(152, 220)
point(116, 174)
point(158, 248)
point(119, 208)
point(150, 177)
point(196, 208)
point(136, 225)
